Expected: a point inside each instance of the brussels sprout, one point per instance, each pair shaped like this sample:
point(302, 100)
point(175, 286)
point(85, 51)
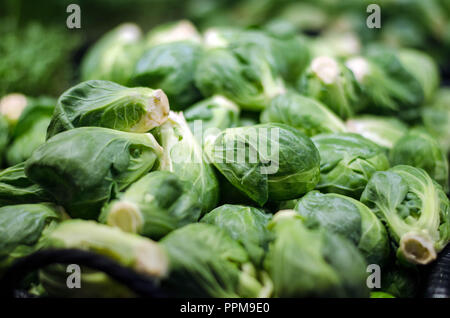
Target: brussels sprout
point(420, 150)
point(129, 250)
point(306, 262)
point(303, 16)
point(347, 162)
point(336, 44)
point(204, 261)
point(30, 130)
point(436, 118)
point(267, 161)
point(21, 228)
point(387, 85)
point(173, 32)
point(16, 188)
point(349, 218)
point(414, 209)
point(153, 206)
point(380, 295)
point(113, 57)
point(185, 158)
point(110, 105)
point(215, 113)
point(243, 75)
point(245, 224)
point(384, 131)
point(423, 68)
point(288, 56)
point(171, 67)
point(331, 83)
point(84, 167)
point(12, 106)
point(303, 113)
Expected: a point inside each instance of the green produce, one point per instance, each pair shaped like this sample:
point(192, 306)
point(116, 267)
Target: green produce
point(306, 262)
point(129, 250)
point(380, 295)
point(287, 55)
point(333, 84)
point(173, 32)
point(184, 157)
point(204, 261)
point(267, 161)
point(436, 118)
point(30, 130)
point(153, 206)
point(350, 218)
point(215, 113)
point(17, 188)
point(110, 105)
point(36, 58)
point(387, 85)
point(420, 150)
point(113, 57)
point(171, 67)
point(303, 113)
point(21, 228)
point(384, 131)
point(347, 162)
point(245, 224)
point(415, 210)
point(84, 167)
point(242, 74)
point(423, 68)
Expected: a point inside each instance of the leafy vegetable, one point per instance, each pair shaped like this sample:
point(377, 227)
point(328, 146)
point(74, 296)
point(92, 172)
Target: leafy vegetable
point(243, 75)
point(245, 224)
point(420, 150)
point(332, 84)
point(129, 250)
point(436, 118)
point(303, 113)
point(387, 85)
point(288, 56)
point(30, 130)
point(36, 58)
point(17, 188)
point(306, 262)
point(21, 228)
point(206, 262)
point(173, 32)
point(153, 206)
point(414, 209)
point(185, 158)
point(215, 113)
point(84, 167)
point(171, 67)
point(347, 162)
point(113, 57)
point(110, 105)
point(384, 131)
point(267, 161)
point(350, 218)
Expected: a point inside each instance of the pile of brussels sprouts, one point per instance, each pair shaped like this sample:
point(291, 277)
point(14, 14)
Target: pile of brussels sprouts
point(118, 165)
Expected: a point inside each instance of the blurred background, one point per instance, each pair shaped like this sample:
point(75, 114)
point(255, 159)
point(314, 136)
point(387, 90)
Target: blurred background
point(40, 55)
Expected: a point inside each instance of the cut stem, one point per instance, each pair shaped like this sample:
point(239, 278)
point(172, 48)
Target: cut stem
point(417, 248)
